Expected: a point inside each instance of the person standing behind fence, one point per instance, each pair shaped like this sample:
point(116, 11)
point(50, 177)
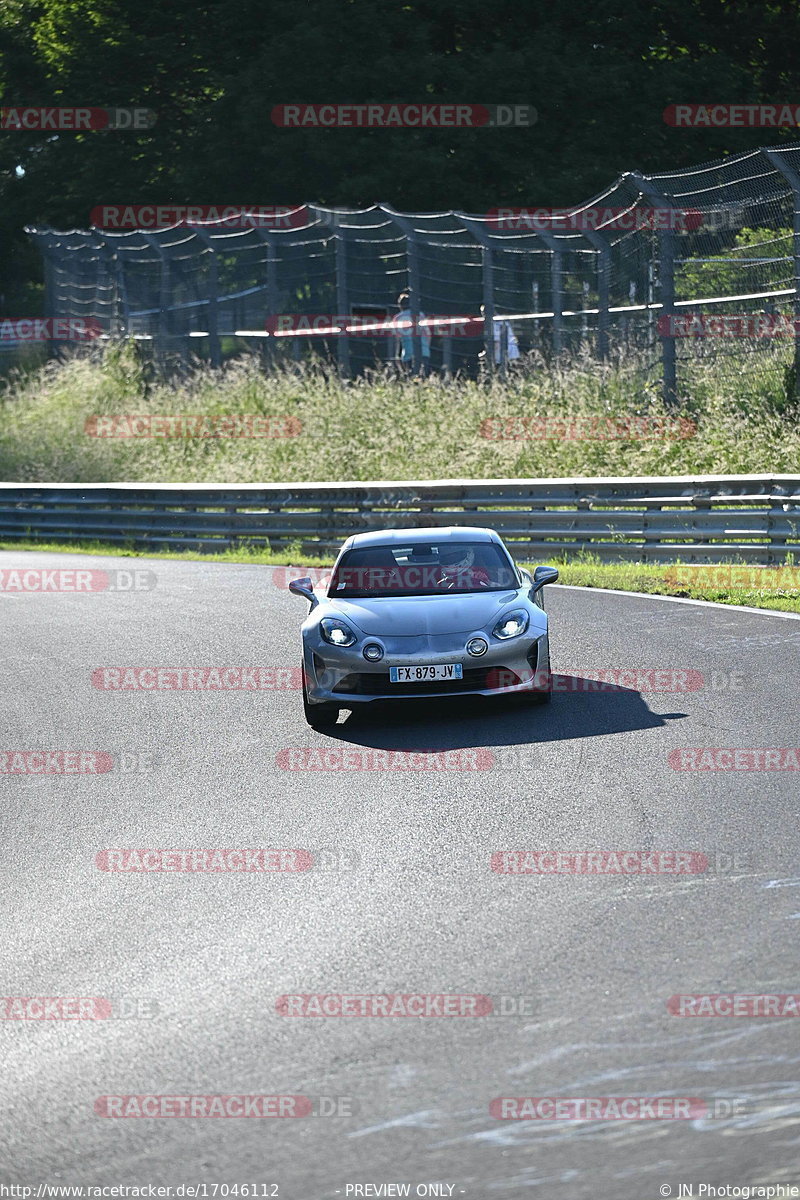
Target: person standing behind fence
point(502, 331)
point(405, 326)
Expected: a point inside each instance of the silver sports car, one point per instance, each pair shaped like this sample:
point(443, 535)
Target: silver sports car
point(415, 613)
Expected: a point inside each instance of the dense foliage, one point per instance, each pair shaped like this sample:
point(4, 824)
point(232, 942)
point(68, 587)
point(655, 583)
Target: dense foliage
point(600, 76)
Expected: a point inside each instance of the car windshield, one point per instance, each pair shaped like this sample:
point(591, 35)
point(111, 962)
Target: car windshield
point(422, 569)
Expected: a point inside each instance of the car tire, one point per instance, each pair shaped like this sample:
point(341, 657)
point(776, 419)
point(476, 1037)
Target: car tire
point(319, 716)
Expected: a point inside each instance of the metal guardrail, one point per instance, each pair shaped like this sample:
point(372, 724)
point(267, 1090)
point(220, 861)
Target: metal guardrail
point(711, 518)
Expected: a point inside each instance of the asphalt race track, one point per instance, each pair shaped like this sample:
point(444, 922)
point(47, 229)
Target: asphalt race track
point(401, 899)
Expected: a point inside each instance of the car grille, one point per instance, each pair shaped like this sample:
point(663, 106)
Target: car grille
point(476, 679)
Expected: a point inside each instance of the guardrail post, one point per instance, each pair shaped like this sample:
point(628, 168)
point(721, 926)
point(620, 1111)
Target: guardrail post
point(792, 177)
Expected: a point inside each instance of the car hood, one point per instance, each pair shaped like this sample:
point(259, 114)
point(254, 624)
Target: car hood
point(411, 616)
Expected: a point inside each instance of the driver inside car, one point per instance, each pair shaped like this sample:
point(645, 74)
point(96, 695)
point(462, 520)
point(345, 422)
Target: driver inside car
point(458, 569)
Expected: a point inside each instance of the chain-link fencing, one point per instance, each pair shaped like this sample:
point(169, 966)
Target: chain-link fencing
point(692, 274)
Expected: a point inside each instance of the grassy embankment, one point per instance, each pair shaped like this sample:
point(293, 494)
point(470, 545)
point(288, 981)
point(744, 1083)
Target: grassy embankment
point(384, 428)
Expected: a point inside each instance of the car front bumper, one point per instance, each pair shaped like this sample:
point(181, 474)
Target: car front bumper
point(341, 675)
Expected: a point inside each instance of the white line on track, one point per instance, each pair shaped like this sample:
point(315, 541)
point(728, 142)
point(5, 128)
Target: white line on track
point(766, 612)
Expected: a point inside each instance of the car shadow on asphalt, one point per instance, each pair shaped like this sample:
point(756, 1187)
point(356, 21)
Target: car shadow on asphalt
point(578, 709)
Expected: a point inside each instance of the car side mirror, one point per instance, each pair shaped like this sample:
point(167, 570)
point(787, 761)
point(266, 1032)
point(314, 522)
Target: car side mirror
point(542, 576)
point(305, 588)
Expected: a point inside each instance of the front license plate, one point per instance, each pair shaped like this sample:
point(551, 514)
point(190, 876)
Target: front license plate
point(425, 674)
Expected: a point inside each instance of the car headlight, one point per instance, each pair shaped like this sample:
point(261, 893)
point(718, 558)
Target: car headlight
point(511, 625)
point(336, 632)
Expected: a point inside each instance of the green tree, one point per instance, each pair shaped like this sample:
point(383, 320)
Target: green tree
point(757, 262)
point(600, 76)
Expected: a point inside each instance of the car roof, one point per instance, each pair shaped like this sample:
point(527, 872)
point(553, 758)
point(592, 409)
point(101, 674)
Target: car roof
point(410, 537)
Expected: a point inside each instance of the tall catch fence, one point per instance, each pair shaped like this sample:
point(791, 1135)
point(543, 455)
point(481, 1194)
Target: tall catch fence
point(645, 271)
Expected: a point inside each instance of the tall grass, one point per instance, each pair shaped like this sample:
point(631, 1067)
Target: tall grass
point(382, 427)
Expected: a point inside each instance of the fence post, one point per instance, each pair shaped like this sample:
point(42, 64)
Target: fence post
point(50, 305)
point(270, 290)
point(117, 320)
point(792, 177)
point(666, 286)
point(122, 292)
point(535, 334)
point(488, 306)
point(603, 290)
point(603, 287)
point(666, 283)
point(412, 253)
point(447, 355)
point(162, 343)
point(342, 303)
point(214, 352)
point(556, 286)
